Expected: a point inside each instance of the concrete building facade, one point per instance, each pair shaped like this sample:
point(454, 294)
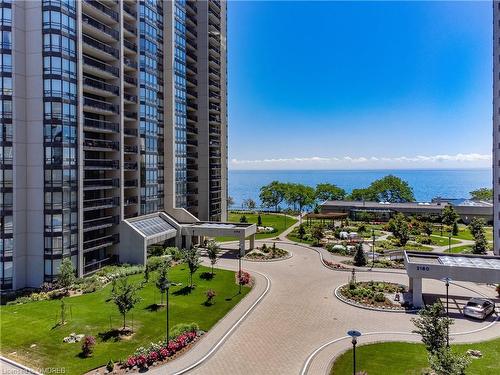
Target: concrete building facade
point(496, 126)
point(110, 110)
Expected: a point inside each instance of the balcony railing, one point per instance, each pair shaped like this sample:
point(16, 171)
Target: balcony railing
point(101, 242)
point(130, 98)
point(132, 115)
point(99, 223)
point(130, 149)
point(101, 164)
point(100, 124)
point(130, 28)
point(130, 63)
point(101, 182)
point(101, 66)
point(101, 202)
point(127, 8)
point(131, 166)
point(99, 143)
point(100, 26)
point(101, 85)
point(131, 200)
point(100, 46)
point(99, 104)
point(130, 45)
point(129, 79)
point(129, 131)
point(103, 8)
point(130, 183)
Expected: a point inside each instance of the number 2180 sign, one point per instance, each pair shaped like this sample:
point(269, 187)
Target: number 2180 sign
point(423, 268)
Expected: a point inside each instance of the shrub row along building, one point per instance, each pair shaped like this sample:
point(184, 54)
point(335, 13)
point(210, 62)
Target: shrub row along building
point(110, 110)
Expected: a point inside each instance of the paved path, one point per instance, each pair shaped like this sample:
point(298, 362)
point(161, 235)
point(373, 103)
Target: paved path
point(300, 313)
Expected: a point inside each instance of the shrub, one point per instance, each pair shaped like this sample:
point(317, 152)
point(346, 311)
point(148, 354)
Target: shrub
point(359, 257)
point(181, 328)
point(175, 253)
point(243, 219)
point(210, 296)
point(264, 248)
point(244, 278)
point(155, 262)
point(301, 231)
point(259, 221)
point(379, 297)
point(88, 346)
point(110, 365)
point(498, 289)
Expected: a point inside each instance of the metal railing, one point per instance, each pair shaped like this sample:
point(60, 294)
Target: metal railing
point(98, 5)
point(101, 66)
point(101, 85)
point(127, 8)
point(100, 46)
point(96, 223)
point(101, 202)
point(100, 26)
point(99, 143)
point(99, 242)
point(105, 164)
point(101, 182)
point(130, 45)
point(100, 124)
point(99, 104)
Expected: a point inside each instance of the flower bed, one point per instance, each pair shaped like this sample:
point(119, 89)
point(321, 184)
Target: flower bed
point(267, 253)
point(373, 293)
point(335, 266)
point(380, 263)
point(243, 278)
point(161, 352)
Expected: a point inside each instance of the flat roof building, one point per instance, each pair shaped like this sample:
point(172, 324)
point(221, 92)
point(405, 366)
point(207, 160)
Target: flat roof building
point(110, 110)
point(457, 267)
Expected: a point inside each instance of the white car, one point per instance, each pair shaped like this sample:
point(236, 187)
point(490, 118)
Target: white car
point(479, 308)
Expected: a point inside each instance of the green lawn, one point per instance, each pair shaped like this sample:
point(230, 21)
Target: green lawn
point(388, 245)
point(409, 359)
point(459, 249)
point(443, 241)
point(33, 323)
point(278, 222)
point(464, 233)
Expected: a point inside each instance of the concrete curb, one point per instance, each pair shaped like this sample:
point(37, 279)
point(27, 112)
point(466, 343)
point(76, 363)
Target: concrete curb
point(25, 369)
point(289, 255)
point(361, 306)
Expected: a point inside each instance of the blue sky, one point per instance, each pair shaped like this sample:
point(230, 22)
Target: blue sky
point(326, 85)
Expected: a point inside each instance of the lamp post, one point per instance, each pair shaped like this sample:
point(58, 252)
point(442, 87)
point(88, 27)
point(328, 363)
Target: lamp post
point(373, 247)
point(354, 334)
point(447, 281)
point(239, 271)
point(449, 242)
point(167, 287)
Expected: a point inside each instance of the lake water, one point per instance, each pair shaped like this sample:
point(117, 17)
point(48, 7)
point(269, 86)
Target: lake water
point(426, 184)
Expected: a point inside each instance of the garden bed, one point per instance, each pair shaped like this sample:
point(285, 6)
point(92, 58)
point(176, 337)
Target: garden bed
point(267, 253)
point(380, 263)
point(373, 294)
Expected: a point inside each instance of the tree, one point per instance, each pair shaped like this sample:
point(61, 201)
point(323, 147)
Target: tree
point(162, 282)
point(318, 233)
point(476, 226)
point(449, 215)
point(192, 258)
point(212, 252)
point(300, 196)
point(399, 227)
point(445, 362)
point(483, 194)
point(259, 220)
point(230, 201)
point(249, 203)
point(387, 189)
point(301, 231)
point(146, 274)
point(272, 195)
point(427, 228)
point(66, 276)
point(359, 256)
point(125, 298)
point(454, 231)
point(330, 192)
point(243, 219)
point(433, 326)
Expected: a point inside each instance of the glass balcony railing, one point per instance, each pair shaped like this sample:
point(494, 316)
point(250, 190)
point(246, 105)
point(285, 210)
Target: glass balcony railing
point(98, 5)
point(127, 8)
point(130, 45)
point(130, 183)
point(100, 124)
point(101, 183)
point(101, 164)
point(131, 132)
point(99, 104)
point(101, 242)
point(100, 46)
point(99, 223)
point(101, 27)
point(99, 143)
point(101, 66)
point(101, 85)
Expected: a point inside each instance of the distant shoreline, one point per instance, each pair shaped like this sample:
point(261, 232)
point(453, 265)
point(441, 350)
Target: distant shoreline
point(362, 170)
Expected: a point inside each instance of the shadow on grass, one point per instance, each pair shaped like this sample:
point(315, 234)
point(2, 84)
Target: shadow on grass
point(113, 334)
point(183, 291)
point(207, 276)
point(154, 307)
point(230, 298)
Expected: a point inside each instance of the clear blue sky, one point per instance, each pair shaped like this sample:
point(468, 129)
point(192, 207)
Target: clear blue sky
point(359, 84)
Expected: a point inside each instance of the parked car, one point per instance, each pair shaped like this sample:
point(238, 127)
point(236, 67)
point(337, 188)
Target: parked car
point(479, 308)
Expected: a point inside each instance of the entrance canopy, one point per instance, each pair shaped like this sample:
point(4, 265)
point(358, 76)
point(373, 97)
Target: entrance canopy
point(137, 233)
point(458, 267)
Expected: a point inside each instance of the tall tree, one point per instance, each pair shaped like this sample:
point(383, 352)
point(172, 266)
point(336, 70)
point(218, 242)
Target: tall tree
point(400, 228)
point(359, 256)
point(449, 215)
point(272, 195)
point(318, 233)
point(483, 194)
point(301, 196)
point(162, 282)
point(66, 275)
point(125, 297)
point(192, 259)
point(212, 252)
point(249, 203)
point(387, 189)
point(327, 191)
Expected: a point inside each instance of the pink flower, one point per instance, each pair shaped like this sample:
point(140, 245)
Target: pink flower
point(131, 361)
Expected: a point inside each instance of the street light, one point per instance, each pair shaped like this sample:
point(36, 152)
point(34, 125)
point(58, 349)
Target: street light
point(449, 242)
point(447, 281)
point(354, 334)
point(239, 271)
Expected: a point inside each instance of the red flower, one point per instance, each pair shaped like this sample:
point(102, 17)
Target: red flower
point(164, 353)
point(131, 361)
point(141, 361)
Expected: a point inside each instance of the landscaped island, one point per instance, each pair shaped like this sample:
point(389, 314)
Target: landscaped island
point(32, 333)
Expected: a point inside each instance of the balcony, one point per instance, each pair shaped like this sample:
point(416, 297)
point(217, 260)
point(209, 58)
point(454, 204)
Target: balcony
point(130, 28)
point(130, 149)
point(214, 119)
point(130, 63)
point(98, 29)
point(191, 55)
point(101, 223)
point(102, 203)
point(103, 9)
point(100, 125)
point(99, 106)
point(130, 98)
point(130, 201)
point(100, 88)
point(99, 68)
point(101, 183)
point(129, 10)
point(130, 166)
point(191, 80)
point(130, 115)
point(97, 48)
point(95, 265)
point(100, 145)
point(128, 132)
point(130, 45)
point(99, 243)
point(132, 81)
point(98, 164)
point(130, 184)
